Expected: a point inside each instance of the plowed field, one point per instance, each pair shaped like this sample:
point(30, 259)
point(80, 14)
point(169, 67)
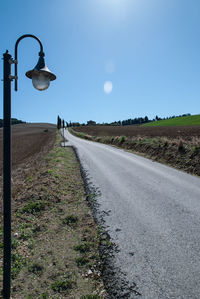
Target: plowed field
point(29, 140)
point(184, 132)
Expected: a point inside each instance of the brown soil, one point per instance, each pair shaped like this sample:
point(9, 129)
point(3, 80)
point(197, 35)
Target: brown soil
point(30, 143)
point(29, 140)
point(184, 132)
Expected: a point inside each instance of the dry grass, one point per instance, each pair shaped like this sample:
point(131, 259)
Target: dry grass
point(50, 221)
point(180, 149)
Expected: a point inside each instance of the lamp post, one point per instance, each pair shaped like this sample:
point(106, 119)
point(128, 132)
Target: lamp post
point(41, 77)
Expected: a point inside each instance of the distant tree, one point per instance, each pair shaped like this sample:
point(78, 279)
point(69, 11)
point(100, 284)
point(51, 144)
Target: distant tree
point(76, 124)
point(91, 123)
point(63, 123)
point(58, 122)
point(14, 121)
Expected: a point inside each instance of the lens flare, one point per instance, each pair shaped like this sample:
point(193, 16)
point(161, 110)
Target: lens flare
point(108, 86)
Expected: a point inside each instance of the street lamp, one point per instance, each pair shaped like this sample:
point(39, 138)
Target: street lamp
point(41, 77)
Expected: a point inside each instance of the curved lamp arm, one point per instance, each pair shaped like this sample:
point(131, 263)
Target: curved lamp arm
point(41, 53)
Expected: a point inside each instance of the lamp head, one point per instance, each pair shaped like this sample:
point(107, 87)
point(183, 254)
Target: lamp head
point(41, 75)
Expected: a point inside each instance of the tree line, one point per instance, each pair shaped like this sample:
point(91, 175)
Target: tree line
point(126, 122)
point(14, 121)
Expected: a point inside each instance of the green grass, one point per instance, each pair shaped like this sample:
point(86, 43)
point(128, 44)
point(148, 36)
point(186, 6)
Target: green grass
point(91, 297)
point(83, 248)
point(70, 220)
point(18, 262)
point(33, 207)
point(122, 139)
point(177, 121)
point(61, 286)
point(81, 261)
point(35, 268)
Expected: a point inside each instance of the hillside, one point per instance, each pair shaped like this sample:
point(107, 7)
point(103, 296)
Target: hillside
point(14, 121)
point(191, 120)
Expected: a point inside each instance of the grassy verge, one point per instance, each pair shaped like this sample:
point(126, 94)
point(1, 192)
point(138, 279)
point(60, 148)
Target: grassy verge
point(176, 152)
point(54, 237)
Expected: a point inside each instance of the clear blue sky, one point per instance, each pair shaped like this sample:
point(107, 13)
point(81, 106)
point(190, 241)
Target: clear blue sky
point(148, 50)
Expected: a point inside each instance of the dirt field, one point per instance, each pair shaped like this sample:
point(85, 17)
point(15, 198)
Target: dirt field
point(28, 140)
point(184, 132)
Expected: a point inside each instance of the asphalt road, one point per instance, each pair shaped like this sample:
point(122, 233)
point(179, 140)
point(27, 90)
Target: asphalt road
point(152, 213)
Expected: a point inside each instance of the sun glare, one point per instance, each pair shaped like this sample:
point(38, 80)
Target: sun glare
point(115, 8)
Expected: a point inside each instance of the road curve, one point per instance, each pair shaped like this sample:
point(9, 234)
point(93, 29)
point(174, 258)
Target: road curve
point(152, 214)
